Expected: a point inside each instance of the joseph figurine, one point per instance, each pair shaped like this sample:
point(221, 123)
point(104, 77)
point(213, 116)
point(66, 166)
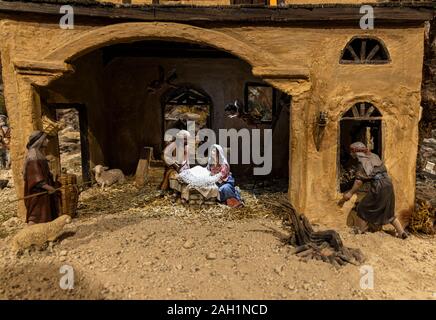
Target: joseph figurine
point(169, 156)
point(37, 179)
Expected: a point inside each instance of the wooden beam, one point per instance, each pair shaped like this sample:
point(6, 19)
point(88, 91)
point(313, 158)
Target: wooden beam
point(296, 14)
point(29, 67)
point(353, 53)
point(143, 166)
point(373, 52)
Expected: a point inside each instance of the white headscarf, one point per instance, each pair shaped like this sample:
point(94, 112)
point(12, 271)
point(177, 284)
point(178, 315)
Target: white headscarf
point(368, 159)
point(221, 157)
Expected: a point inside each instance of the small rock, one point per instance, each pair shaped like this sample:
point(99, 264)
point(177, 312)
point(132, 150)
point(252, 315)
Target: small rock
point(279, 270)
point(63, 253)
point(211, 256)
point(290, 287)
point(189, 244)
point(179, 267)
point(235, 255)
point(63, 259)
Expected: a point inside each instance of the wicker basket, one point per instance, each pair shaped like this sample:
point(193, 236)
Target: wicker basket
point(69, 194)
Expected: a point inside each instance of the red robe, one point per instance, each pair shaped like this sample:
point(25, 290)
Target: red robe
point(43, 208)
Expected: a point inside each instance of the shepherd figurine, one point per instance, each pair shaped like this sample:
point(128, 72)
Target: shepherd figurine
point(38, 179)
point(378, 205)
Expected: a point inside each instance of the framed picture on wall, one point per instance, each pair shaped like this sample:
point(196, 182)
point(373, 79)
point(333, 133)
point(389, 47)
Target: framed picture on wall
point(260, 101)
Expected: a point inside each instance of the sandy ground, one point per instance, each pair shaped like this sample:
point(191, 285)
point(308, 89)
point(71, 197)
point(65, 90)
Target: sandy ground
point(135, 244)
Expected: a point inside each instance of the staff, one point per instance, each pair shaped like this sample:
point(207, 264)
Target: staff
point(46, 192)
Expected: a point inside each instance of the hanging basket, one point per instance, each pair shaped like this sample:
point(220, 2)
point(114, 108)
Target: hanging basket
point(50, 127)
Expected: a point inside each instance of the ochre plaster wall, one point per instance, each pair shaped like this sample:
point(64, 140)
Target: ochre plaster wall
point(282, 56)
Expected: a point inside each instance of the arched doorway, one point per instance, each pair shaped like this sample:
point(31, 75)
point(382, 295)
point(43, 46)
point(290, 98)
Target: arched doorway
point(186, 103)
point(143, 88)
point(362, 122)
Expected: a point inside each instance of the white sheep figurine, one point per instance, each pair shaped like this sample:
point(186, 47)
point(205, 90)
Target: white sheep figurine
point(106, 177)
point(40, 233)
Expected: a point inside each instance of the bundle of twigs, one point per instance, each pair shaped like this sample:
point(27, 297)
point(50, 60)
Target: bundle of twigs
point(322, 245)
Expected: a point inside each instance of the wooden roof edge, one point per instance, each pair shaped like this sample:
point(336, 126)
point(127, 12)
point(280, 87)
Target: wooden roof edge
point(95, 3)
point(384, 12)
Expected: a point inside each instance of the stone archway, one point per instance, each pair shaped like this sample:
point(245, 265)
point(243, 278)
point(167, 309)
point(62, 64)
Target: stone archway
point(131, 32)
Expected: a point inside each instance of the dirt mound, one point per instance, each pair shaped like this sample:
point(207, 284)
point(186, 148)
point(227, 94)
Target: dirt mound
point(27, 280)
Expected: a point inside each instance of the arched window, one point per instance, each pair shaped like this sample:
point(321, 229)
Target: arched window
point(362, 111)
point(365, 50)
point(362, 122)
point(186, 103)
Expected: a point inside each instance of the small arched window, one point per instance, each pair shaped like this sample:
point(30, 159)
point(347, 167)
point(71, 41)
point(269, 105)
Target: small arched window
point(362, 111)
point(364, 50)
point(185, 103)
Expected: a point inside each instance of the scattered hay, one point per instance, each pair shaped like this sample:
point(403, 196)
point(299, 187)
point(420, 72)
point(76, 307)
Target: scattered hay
point(423, 218)
point(150, 202)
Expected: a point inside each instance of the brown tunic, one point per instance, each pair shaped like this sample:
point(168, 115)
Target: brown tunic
point(378, 205)
point(43, 208)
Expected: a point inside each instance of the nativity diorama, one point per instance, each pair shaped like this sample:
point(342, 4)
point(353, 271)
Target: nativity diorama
point(274, 149)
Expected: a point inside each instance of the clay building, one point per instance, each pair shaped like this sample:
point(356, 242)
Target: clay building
point(129, 67)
